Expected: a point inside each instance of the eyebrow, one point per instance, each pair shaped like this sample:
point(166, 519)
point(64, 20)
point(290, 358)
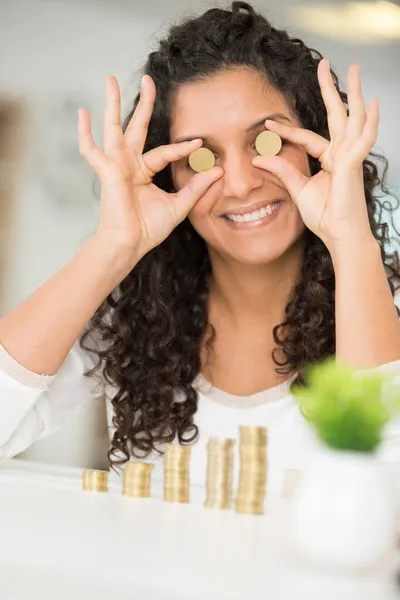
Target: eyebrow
point(209, 140)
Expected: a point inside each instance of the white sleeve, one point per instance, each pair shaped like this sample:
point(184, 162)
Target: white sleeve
point(33, 406)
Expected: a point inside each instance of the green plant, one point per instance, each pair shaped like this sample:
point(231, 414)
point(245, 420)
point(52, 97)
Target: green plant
point(347, 409)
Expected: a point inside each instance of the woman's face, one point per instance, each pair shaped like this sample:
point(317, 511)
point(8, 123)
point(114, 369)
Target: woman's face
point(223, 110)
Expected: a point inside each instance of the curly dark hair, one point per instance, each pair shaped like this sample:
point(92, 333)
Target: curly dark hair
point(154, 321)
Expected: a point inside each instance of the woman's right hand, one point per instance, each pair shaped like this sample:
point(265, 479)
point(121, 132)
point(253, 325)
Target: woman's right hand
point(135, 214)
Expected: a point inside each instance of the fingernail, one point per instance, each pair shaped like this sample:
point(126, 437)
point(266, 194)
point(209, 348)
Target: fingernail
point(142, 82)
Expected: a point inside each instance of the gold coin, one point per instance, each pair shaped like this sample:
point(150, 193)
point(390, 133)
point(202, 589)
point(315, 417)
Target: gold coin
point(253, 470)
point(137, 470)
point(176, 473)
point(250, 509)
point(219, 473)
point(177, 491)
point(174, 496)
point(253, 433)
point(254, 460)
point(95, 481)
point(136, 479)
point(268, 143)
point(220, 443)
point(177, 450)
point(201, 159)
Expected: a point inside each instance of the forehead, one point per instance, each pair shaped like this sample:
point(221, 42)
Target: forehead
point(224, 103)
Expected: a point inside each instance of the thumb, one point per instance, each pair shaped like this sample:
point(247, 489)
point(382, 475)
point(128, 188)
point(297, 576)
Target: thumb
point(285, 171)
point(186, 198)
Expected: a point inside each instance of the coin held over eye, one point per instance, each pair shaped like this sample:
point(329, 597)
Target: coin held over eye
point(201, 159)
point(268, 143)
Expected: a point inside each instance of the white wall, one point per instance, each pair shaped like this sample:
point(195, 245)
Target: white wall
point(54, 53)
point(54, 57)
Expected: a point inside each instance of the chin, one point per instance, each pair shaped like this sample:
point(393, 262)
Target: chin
point(257, 257)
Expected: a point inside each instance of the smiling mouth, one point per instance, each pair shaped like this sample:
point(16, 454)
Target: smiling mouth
point(255, 215)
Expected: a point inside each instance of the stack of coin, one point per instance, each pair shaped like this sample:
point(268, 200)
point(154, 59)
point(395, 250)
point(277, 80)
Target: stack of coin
point(176, 473)
point(136, 479)
point(219, 473)
point(95, 481)
point(253, 470)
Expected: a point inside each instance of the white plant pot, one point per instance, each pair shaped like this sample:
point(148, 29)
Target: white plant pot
point(343, 513)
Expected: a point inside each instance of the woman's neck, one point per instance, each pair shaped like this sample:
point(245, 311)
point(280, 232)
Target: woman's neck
point(254, 295)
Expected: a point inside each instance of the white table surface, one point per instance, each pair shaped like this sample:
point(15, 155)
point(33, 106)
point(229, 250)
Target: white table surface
point(58, 542)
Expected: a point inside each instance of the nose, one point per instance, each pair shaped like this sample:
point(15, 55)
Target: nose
point(240, 176)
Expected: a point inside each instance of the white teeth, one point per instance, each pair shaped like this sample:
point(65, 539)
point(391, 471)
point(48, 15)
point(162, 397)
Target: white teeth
point(255, 215)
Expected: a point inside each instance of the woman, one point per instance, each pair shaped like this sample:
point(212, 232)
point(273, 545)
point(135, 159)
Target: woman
point(203, 294)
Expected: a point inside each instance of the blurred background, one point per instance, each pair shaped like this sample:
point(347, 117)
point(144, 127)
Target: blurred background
point(54, 56)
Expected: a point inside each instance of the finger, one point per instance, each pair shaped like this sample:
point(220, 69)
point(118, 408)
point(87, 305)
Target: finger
point(285, 171)
point(357, 114)
point(370, 131)
point(87, 147)
point(113, 137)
point(186, 198)
point(156, 160)
point(314, 144)
point(136, 132)
point(336, 112)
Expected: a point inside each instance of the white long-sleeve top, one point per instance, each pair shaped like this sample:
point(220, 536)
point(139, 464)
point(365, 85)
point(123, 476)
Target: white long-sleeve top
point(33, 406)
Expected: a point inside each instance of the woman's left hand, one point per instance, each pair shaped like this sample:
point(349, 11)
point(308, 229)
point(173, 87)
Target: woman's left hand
point(331, 203)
